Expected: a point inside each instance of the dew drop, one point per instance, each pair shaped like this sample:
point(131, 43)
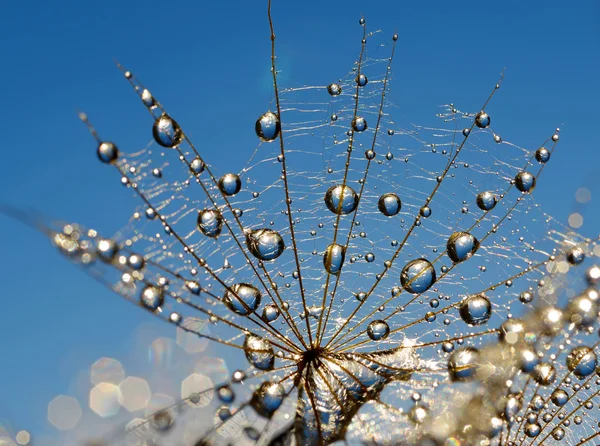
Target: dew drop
point(486, 201)
point(167, 132)
point(259, 352)
point(333, 260)
point(462, 364)
point(461, 246)
point(264, 244)
point(210, 222)
point(482, 120)
point(225, 394)
point(267, 398)
point(544, 373)
point(152, 297)
point(230, 184)
point(559, 397)
point(268, 127)
point(389, 204)
point(334, 89)
point(476, 309)
point(359, 124)
point(582, 361)
point(542, 155)
point(378, 330)
point(270, 313)
point(361, 80)
point(525, 181)
point(340, 202)
point(575, 255)
point(417, 276)
point(107, 152)
point(242, 298)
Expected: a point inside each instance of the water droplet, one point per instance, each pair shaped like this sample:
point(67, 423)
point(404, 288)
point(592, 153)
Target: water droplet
point(359, 124)
point(526, 297)
point(210, 222)
point(152, 297)
point(147, 98)
point(197, 166)
point(542, 155)
point(333, 260)
point(558, 433)
point(486, 201)
point(389, 204)
point(107, 152)
point(476, 309)
point(341, 203)
point(466, 132)
point(334, 89)
point(167, 132)
point(136, 261)
point(267, 398)
point(544, 373)
point(230, 184)
point(193, 287)
point(259, 352)
point(532, 429)
point(527, 358)
point(268, 127)
point(525, 181)
point(425, 211)
point(417, 276)
point(370, 257)
point(264, 244)
point(462, 364)
point(378, 330)
point(107, 249)
point(270, 313)
point(361, 80)
point(225, 394)
point(242, 298)
point(461, 246)
point(559, 397)
point(482, 120)
point(582, 361)
point(162, 420)
point(575, 255)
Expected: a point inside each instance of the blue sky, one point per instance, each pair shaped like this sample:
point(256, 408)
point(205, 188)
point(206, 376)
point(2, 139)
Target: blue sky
point(209, 64)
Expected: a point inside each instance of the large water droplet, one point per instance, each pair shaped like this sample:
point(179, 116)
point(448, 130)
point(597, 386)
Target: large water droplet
point(525, 181)
point(361, 80)
point(152, 297)
point(417, 276)
point(462, 364)
point(268, 127)
point(333, 260)
point(230, 184)
point(341, 203)
point(542, 155)
point(389, 204)
point(270, 313)
point(378, 330)
point(486, 201)
point(334, 89)
point(107, 249)
point(461, 246)
point(210, 222)
point(167, 132)
point(264, 244)
point(559, 397)
point(359, 124)
point(476, 309)
point(107, 152)
point(544, 373)
point(242, 298)
point(259, 352)
point(582, 361)
point(267, 398)
point(482, 120)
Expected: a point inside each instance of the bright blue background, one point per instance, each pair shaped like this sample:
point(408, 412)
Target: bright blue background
point(208, 63)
